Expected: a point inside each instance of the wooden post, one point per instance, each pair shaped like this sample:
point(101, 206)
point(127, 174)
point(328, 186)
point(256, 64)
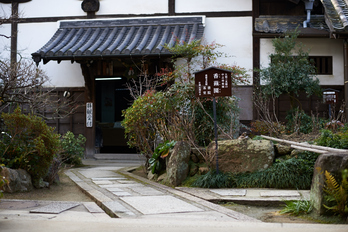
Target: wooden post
point(345, 52)
point(87, 71)
point(14, 32)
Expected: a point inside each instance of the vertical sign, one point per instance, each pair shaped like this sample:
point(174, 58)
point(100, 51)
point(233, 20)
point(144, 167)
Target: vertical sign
point(89, 114)
point(213, 82)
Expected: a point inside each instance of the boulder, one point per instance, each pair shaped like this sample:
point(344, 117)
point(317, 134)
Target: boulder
point(178, 163)
point(203, 170)
point(281, 150)
point(333, 163)
point(243, 155)
point(19, 180)
point(198, 153)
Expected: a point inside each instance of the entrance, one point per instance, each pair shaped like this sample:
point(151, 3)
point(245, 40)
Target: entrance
point(112, 97)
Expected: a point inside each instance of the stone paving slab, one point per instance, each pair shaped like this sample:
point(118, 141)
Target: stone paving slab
point(147, 191)
point(93, 207)
point(55, 208)
point(229, 192)
point(114, 189)
point(159, 204)
point(118, 208)
point(121, 194)
point(95, 173)
point(102, 182)
point(108, 178)
point(120, 185)
point(280, 194)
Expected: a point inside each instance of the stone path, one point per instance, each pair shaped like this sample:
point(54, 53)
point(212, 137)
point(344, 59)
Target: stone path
point(124, 195)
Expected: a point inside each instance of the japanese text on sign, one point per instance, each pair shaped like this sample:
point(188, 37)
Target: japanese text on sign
point(89, 114)
point(213, 83)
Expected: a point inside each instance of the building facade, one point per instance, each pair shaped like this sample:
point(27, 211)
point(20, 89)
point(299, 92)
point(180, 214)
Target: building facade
point(83, 44)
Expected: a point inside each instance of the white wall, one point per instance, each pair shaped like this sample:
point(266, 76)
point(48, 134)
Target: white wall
point(236, 35)
point(182, 6)
point(133, 7)
point(56, 8)
point(317, 47)
point(50, 8)
point(5, 43)
point(31, 38)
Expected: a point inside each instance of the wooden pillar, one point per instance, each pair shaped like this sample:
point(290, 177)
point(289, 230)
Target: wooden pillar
point(345, 51)
point(171, 7)
point(88, 74)
point(14, 32)
point(256, 54)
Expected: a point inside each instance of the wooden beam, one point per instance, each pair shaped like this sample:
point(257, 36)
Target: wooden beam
point(14, 32)
point(171, 7)
point(345, 61)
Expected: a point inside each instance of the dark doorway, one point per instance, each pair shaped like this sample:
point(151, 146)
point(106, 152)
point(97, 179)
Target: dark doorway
point(112, 97)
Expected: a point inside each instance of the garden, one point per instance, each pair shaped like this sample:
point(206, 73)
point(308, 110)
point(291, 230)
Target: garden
point(162, 118)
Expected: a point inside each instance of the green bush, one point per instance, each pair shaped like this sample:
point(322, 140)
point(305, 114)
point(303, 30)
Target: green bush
point(336, 194)
point(297, 207)
point(335, 140)
point(156, 162)
point(28, 143)
point(72, 148)
point(294, 173)
point(215, 180)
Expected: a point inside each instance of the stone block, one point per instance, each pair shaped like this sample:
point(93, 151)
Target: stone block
point(19, 180)
point(333, 163)
point(243, 155)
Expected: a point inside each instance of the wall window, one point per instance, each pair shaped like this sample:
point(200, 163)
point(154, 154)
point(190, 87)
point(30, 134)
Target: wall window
point(323, 64)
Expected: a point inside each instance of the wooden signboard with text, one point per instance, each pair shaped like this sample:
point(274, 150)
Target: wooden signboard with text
point(213, 82)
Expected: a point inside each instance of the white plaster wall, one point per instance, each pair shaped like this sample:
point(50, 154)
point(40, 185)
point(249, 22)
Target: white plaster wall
point(236, 36)
point(51, 8)
point(182, 6)
point(31, 39)
point(5, 43)
point(133, 7)
point(56, 8)
point(317, 47)
point(5, 10)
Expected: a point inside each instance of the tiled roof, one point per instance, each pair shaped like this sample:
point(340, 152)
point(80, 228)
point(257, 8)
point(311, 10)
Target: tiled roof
point(281, 24)
point(119, 37)
point(336, 14)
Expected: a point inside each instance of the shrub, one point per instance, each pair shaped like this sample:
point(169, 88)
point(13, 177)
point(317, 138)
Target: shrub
point(335, 140)
point(214, 180)
point(156, 162)
point(295, 173)
point(297, 207)
point(28, 143)
point(72, 148)
point(337, 194)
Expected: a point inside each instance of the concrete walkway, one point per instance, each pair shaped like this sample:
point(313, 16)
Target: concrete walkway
point(133, 203)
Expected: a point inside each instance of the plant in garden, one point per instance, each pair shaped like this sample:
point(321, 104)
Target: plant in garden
point(289, 72)
point(172, 113)
point(335, 140)
point(28, 143)
point(294, 173)
point(22, 83)
point(214, 180)
point(297, 207)
point(337, 194)
point(156, 162)
point(72, 148)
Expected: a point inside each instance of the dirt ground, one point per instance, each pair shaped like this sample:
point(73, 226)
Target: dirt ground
point(66, 190)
